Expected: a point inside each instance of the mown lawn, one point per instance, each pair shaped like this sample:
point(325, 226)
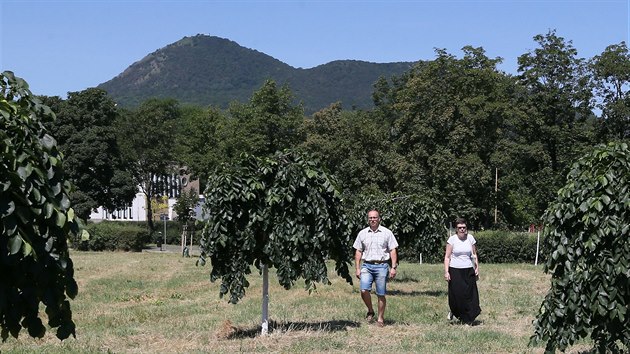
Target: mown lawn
point(163, 303)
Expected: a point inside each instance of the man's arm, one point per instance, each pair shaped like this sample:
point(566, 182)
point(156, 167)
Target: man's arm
point(393, 255)
point(357, 263)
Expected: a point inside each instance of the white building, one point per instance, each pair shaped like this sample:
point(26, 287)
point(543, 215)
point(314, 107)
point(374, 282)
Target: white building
point(173, 185)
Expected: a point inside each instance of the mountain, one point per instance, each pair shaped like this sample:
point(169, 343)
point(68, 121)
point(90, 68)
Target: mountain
point(207, 70)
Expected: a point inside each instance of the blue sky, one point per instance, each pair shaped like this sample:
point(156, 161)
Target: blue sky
point(62, 46)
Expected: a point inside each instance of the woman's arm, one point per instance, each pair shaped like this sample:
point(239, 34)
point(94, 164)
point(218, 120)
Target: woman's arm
point(475, 259)
point(447, 261)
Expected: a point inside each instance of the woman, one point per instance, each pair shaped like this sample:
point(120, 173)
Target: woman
point(461, 269)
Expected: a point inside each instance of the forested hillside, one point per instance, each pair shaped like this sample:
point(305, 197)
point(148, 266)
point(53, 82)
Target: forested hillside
point(207, 70)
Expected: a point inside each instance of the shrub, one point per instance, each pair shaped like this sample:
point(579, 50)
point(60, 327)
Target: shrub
point(506, 247)
point(112, 236)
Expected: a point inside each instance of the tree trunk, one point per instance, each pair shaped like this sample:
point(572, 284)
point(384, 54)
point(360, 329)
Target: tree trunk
point(265, 301)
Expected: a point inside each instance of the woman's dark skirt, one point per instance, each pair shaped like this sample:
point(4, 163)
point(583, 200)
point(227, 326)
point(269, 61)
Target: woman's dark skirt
point(463, 297)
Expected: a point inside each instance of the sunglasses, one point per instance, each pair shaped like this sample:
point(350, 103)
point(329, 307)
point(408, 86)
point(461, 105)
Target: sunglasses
point(462, 227)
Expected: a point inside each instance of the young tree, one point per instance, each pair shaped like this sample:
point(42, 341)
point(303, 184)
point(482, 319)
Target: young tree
point(280, 211)
point(85, 131)
point(587, 238)
point(35, 217)
point(185, 206)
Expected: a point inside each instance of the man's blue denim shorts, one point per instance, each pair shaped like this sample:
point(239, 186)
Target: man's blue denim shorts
point(374, 273)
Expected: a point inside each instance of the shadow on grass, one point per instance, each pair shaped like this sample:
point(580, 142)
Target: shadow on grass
point(433, 293)
point(404, 278)
point(471, 324)
point(326, 326)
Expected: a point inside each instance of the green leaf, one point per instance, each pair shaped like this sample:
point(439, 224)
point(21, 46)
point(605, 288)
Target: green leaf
point(61, 219)
point(15, 244)
point(85, 235)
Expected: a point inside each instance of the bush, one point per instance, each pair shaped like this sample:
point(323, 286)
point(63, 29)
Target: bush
point(506, 247)
point(113, 236)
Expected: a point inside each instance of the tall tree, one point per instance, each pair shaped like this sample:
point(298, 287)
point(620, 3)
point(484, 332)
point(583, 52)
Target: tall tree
point(611, 71)
point(198, 143)
point(35, 218)
point(559, 100)
point(351, 143)
point(450, 114)
point(146, 137)
point(93, 162)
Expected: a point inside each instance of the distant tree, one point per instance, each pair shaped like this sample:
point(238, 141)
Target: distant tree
point(85, 131)
point(35, 217)
point(198, 140)
point(559, 102)
point(279, 211)
point(587, 238)
point(612, 74)
point(146, 138)
point(268, 123)
point(349, 143)
point(417, 221)
point(449, 114)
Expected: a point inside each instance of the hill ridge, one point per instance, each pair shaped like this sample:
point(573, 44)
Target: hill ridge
point(210, 70)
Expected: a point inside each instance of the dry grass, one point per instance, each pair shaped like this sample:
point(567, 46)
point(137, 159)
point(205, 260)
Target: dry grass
point(163, 303)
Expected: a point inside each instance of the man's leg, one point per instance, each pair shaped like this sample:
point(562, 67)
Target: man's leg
point(380, 279)
point(367, 299)
point(382, 302)
point(366, 288)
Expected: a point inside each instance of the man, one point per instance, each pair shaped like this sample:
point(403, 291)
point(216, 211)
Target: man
point(376, 246)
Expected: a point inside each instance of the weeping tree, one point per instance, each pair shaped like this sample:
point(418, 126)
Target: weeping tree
point(35, 218)
point(587, 238)
point(281, 211)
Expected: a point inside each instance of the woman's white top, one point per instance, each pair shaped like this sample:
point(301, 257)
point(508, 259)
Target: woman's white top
point(461, 257)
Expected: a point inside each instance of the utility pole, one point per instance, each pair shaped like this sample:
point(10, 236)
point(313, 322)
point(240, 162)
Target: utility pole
point(496, 188)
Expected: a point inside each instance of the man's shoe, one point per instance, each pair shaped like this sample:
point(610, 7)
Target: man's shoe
point(449, 316)
point(370, 316)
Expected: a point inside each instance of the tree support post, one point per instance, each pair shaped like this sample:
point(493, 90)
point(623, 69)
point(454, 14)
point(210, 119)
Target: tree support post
point(265, 301)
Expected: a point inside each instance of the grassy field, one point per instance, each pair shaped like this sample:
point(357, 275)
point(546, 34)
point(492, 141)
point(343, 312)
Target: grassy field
point(163, 303)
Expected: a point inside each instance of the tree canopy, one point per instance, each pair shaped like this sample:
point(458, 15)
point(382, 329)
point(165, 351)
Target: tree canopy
point(85, 132)
point(282, 211)
point(35, 217)
point(587, 235)
point(146, 139)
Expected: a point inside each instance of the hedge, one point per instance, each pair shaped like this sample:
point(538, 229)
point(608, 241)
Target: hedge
point(507, 247)
point(114, 236)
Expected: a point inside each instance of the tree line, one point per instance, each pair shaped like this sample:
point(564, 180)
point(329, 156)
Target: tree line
point(485, 145)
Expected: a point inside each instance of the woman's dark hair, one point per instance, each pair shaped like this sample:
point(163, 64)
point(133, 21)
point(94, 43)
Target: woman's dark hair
point(460, 221)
